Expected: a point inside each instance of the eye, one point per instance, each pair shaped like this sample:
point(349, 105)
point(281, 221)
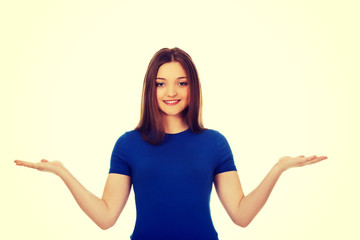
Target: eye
point(183, 83)
point(158, 84)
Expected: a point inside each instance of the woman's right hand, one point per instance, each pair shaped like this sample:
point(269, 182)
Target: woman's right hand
point(103, 211)
point(44, 165)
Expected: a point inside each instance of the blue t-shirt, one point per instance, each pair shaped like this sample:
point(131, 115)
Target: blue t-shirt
point(172, 182)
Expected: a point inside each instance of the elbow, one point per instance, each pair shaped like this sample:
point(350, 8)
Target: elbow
point(105, 225)
point(242, 223)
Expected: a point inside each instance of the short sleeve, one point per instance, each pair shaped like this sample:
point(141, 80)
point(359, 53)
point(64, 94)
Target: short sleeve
point(118, 163)
point(225, 157)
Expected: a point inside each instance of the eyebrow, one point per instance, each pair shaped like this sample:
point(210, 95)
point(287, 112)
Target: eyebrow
point(165, 78)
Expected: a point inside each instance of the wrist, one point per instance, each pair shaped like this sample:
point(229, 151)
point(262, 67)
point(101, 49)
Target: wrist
point(61, 171)
point(279, 167)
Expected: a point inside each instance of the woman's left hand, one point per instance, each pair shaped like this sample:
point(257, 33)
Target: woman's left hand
point(299, 161)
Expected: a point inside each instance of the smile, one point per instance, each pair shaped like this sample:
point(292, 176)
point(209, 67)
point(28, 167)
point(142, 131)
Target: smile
point(171, 102)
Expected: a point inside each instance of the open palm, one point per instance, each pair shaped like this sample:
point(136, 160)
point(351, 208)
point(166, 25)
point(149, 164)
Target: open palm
point(44, 165)
point(299, 161)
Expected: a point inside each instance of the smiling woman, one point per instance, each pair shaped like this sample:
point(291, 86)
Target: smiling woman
point(172, 94)
point(172, 162)
point(171, 76)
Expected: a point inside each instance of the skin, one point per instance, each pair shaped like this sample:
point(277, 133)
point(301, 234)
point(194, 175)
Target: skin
point(172, 84)
point(105, 211)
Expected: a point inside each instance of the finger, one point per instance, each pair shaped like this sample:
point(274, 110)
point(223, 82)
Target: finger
point(44, 160)
point(305, 160)
point(19, 162)
point(311, 162)
point(310, 158)
point(315, 160)
point(26, 164)
point(318, 159)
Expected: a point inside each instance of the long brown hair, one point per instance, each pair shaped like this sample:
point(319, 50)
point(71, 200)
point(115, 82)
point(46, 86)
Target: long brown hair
point(151, 125)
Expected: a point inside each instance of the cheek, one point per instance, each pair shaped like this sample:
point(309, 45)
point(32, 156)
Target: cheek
point(159, 95)
point(158, 98)
point(188, 95)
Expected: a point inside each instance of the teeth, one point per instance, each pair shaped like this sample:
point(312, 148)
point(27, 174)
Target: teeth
point(172, 101)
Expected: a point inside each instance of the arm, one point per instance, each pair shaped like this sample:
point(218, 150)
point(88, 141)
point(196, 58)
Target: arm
point(243, 209)
point(103, 211)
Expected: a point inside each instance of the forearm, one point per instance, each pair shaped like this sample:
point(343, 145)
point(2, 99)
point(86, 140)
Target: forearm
point(93, 206)
point(250, 205)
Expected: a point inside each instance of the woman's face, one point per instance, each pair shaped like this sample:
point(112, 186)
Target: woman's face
point(172, 90)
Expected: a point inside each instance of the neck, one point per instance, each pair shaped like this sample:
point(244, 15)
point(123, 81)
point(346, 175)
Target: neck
point(174, 124)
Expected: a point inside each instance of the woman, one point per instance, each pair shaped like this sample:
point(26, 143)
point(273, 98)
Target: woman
point(172, 162)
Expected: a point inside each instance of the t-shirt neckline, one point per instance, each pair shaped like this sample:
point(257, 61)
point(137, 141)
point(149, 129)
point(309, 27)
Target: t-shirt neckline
point(173, 134)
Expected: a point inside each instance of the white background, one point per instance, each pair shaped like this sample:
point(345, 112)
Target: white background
point(278, 77)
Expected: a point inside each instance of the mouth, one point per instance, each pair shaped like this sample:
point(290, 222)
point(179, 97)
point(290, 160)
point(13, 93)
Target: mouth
point(171, 102)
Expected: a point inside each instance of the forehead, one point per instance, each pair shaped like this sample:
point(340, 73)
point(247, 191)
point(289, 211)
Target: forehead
point(171, 70)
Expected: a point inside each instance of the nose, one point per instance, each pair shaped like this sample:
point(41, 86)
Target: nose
point(171, 91)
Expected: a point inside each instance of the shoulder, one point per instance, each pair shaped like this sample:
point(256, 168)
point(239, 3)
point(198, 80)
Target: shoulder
point(212, 135)
point(132, 134)
point(129, 136)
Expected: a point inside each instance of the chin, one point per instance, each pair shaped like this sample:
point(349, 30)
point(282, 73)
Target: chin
point(173, 114)
point(180, 113)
